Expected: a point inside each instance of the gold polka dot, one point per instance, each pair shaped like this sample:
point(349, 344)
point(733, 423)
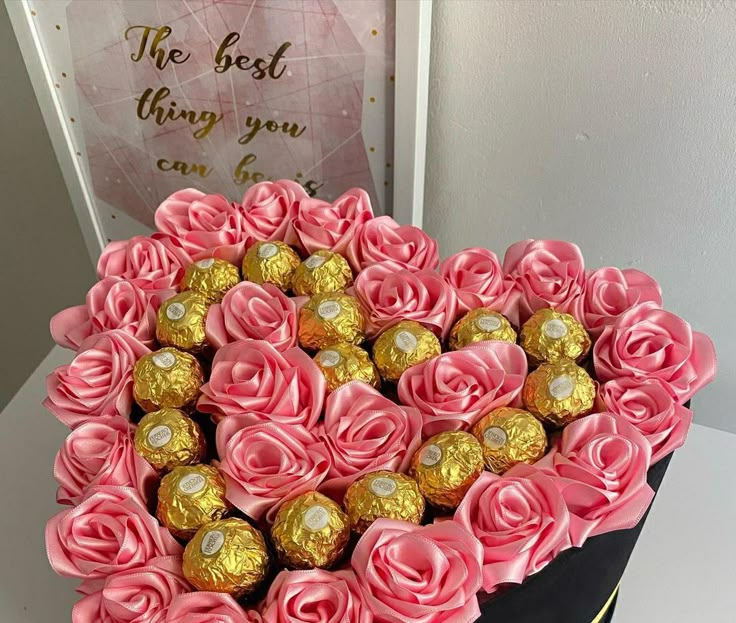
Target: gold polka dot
point(34, 13)
point(300, 174)
point(109, 239)
point(372, 148)
point(57, 85)
point(58, 27)
point(374, 32)
point(63, 74)
point(392, 78)
point(113, 217)
point(385, 183)
point(79, 153)
point(372, 100)
point(72, 119)
point(388, 164)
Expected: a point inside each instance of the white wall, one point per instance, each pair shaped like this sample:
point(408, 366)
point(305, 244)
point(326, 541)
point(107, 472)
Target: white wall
point(608, 123)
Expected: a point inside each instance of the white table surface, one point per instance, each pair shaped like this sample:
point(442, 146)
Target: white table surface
point(681, 569)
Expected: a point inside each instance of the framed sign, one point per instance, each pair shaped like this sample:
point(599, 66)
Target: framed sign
point(144, 97)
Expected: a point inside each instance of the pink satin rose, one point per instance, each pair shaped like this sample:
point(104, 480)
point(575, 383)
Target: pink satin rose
point(322, 225)
point(649, 406)
point(99, 380)
point(315, 596)
point(600, 466)
point(609, 292)
point(419, 574)
point(100, 452)
point(113, 303)
point(265, 463)
point(204, 607)
point(389, 295)
point(138, 595)
point(252, 311)
point(269, 208)
point(521, 520)
point(364, 431)
point(251, 376)
point(383, 239)
point(456, 389)
point(549, 273)
point(478, 280)
point(111, 530)
point(647, 342)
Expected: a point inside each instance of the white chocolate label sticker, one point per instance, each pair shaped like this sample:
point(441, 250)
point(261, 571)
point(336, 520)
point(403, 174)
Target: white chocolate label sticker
point(405, 341)
point(164, 360)
point(329, 310)
point(431, 455)
point(314, 261)
point(561, 387)
point(159, 436)
point(554, 329)
point(175, 311)
point(495, 437)
point(205, 264)
point(192, 483)
point(488, 323)
point(316, 518)
point(267, 250)
point(329, 358)
point(212, 542)
point(383, 487)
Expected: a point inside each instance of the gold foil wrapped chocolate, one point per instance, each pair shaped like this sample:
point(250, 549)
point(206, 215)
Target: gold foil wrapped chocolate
point(323, 271)
point(189, 497)
point(509, 436)
point(479, 325)
point(341, 363)
point(167, 378)
point(558, 393)
point(180, 321)
point(226, 556)
point(331, 317)
point(168, 438)
point(310, 531)
point(271, 262)
point(211, 277)
point(402, 346)
point(553, 336)
point(383, 494)
point(445, 467)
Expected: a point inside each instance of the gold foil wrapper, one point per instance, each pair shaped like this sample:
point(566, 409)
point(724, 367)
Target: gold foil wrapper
point(329, 318)
point(323, 271)
point(402, 346)
point(341, 363)
point(558, 393)
point(168, 438)
point(271, 262)
point(550, 336)
point(383, 494)
point(190, 497)
point(167, 378)
point(226, 556)
point(479, 325)
point(310, 531)
point(509, 436)
point(211, 277)
point(180, 322)
point(445, 467)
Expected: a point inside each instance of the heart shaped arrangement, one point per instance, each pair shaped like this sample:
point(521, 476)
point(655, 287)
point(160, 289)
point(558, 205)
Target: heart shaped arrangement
point(354, 432)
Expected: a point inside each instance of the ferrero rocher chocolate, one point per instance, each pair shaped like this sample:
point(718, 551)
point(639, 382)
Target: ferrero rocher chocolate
point(402, 346)
point(323, 271)
point(211, 277)
point(558, 393)
point(341, 363)
point(331, 317)
point(189, 497)
point(445, 467)
point(509, 436)
point(479, 325)
point(553, 336)
point(310, 531)
point(180, 321)
point(383, 494)
point(226, 556)
point(169, 438)
point(167, 378)
point(271, 262)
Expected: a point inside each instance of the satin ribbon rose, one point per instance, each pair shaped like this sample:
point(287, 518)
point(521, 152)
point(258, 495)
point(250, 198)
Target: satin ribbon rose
point(478, 280)
point(265, 463)
point(111, 530)
point(648, 342)
point(600, 466)
point(205, 607)
point(252, 311)
point(389, 295)
point(315, 596)
point(101, 452)
point(419, 574)
point(322, 225)
point(138, 595)
point(549, 273)
point(251, 376)
point(455, 389)
point(383, 239)
point(98, 382)
point(364, 431)
point(268, 209)
point(521, 520)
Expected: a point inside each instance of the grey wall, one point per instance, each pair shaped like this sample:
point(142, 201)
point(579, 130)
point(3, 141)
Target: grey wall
point(45, 265)
point(608, 123)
